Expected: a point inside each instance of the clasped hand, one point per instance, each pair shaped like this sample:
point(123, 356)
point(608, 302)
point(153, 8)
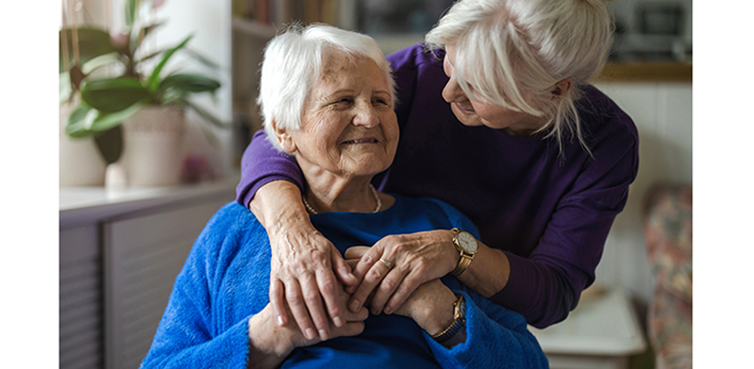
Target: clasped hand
point(304, 268)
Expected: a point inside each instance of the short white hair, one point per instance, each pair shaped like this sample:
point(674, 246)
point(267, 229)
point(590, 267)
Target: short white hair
point(292, 64)
point(514, 52)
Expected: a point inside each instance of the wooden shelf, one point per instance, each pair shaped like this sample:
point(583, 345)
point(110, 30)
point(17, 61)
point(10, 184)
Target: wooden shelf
point(646, 72)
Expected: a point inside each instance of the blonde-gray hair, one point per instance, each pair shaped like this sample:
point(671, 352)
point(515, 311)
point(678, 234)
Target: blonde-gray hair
point(293, 62)
point(515, 51)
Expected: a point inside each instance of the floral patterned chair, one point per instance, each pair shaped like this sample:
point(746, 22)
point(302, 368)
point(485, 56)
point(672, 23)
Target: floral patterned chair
point(667, 226)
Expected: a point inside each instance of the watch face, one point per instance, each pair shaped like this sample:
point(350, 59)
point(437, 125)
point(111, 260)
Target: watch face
point(468, 242)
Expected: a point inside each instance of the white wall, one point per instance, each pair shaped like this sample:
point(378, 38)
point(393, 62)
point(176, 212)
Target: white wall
point(662, 113)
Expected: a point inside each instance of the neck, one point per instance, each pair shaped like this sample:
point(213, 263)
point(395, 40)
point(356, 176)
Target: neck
point(347, 195)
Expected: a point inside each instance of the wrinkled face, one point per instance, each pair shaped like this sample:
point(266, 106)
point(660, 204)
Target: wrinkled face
point(348, 125)
point(473, 113)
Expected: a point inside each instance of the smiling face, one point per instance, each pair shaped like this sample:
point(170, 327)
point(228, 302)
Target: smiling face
point(474, 113)
point(348, 126)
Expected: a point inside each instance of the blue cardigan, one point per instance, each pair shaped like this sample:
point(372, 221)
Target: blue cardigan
point(225, 281)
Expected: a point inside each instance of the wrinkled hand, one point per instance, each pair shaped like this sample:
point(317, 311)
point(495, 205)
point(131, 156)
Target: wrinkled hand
point(417, 258)
point(430, 306)
point(301, 274)
point(271, 343)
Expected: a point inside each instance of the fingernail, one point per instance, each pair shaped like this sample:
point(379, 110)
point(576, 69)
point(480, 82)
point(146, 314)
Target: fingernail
point(310, 334)
point(388, 310)
point(322, 334)
point(280, 321)
point(338, 322)
point(355, 305)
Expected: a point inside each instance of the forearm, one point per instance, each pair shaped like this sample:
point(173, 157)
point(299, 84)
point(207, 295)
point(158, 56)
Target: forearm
point(488, 273)
point(277, 205)
point(543, 292)
point(262, 164)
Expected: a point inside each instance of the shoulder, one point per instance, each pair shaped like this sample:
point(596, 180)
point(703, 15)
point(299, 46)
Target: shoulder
point(414, 57)
point(604, 119)
point(229, 228)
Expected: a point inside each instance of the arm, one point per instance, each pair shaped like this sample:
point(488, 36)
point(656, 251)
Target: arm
point(495, 338)
point(191, 334)
point(302, 259)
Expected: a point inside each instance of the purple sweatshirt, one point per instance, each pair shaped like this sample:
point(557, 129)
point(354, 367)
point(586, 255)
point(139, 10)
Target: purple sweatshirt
point(549, 213)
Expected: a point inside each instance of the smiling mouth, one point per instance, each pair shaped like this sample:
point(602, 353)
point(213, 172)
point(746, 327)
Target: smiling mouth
point(462, 108)
point(360, 141)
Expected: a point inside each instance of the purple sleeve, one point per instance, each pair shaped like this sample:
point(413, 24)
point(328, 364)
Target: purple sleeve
point(262, 163)
point(546, 285)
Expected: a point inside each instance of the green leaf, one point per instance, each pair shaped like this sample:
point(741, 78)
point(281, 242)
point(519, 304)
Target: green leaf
point(101, 61)
point(137, 38)
point(202, 59)
point(113, 95)
point(154, 79)
point(193, 83)
point(92, 42)
point(106, 121)
point(110, 144)
point(206, 115)
point(65, 87)
point(130, 12)
point(79, 121)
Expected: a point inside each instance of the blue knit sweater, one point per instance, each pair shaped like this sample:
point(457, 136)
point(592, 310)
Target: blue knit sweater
point(225, 281)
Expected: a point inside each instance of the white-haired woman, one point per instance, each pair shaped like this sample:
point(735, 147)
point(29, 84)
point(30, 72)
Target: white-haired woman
point(336, 118)
point(498, 119)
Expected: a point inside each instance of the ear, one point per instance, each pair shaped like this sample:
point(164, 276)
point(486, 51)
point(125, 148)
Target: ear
point(284, 138)
point(561, 88)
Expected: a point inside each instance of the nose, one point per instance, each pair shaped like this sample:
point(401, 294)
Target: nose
point(452, 91)
point(367, 116)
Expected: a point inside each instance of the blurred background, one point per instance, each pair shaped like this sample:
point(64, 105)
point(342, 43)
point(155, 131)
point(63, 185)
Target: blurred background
point(124, 234)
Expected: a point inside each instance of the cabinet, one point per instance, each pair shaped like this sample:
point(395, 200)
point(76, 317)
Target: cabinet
point(120, 252)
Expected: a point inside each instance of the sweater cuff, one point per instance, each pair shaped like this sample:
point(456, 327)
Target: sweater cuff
point(517, 293)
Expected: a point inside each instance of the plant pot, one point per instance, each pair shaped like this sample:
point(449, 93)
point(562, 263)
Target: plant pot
point(153, 146)
point(80, 161)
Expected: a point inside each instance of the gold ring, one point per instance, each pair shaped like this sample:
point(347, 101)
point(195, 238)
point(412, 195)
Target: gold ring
point(388, 264)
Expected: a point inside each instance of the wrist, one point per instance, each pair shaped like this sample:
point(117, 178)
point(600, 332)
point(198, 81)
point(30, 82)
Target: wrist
point(268, 342)
point(439, 316)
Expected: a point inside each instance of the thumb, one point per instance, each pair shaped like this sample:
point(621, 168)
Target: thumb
point(342, 269)
point(356, 252)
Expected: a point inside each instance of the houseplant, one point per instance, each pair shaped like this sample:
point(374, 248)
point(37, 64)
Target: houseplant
point(141, 83)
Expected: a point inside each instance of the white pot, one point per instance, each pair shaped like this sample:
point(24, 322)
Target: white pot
point(153, 147)
point(81, 163)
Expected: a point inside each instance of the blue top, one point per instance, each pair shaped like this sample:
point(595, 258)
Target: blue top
point(549, 213)
point(225, 281)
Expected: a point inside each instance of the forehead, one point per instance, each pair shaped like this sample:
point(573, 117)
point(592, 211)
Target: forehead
point(337, 64)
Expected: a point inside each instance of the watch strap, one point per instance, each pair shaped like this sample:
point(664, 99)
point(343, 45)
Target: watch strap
point(459, 322)
point(466, 258)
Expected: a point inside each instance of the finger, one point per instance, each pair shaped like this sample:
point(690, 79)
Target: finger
point(328, 286)
point(352, 263)
point(342, 269)
point(372, 278)
point(385, 290)
point(313, 299)
point(367, 261)
point(277, 299)
point(298, 310)
point(356, 252)
point(349, 329)
point(407, 286)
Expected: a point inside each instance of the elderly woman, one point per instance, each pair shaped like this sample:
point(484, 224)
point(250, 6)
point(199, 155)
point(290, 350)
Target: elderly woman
point(499, 120)
point(335, 116)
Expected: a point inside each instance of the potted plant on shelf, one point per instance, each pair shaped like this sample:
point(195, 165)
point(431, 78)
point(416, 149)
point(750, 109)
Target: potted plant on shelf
point(141, 108)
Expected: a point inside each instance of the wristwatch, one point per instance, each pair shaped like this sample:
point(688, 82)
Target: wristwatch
point(467, 245)
point(459, 321)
